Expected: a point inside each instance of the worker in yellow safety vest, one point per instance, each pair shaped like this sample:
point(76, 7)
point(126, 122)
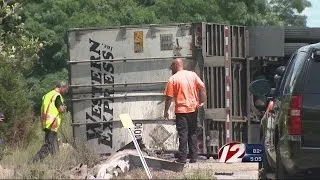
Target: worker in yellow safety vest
point(52, 108)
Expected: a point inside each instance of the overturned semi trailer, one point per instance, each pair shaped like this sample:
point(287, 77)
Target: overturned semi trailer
point(124, 70)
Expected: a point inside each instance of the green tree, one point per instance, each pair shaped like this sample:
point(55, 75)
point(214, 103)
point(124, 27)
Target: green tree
point(239, 12)
point(49, 20)
point(174, 11)
point(18, 53)
point(289, 11)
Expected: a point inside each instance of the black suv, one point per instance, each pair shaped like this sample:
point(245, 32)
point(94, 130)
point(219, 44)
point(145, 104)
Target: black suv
point(290, 126)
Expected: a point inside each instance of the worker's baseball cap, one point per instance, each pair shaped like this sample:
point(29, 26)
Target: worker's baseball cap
point(1, 117)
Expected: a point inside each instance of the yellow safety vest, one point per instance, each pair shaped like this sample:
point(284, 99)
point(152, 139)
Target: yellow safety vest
point(50, 115)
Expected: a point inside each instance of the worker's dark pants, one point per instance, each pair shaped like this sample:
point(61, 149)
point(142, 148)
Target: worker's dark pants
point(50, 146)
point(186, 125)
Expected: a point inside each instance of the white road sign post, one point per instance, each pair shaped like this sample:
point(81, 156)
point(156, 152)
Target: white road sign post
point(128, 124)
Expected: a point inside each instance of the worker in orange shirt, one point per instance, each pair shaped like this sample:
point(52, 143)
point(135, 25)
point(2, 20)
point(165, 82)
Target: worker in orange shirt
point(189, 94)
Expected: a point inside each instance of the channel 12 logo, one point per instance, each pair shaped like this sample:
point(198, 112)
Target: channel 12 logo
point(237, 152)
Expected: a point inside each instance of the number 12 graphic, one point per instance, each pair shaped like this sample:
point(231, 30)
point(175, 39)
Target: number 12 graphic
point(232, 152)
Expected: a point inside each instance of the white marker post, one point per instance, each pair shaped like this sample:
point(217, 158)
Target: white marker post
point(127, 123)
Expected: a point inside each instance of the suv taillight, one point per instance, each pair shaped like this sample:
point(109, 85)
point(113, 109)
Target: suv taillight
point(295, 111)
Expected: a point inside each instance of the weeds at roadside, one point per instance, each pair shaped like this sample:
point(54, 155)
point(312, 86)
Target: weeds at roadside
point(70, 155)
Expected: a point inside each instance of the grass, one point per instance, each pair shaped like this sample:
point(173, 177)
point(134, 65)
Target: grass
point(51, 167)
point(18, 158)
point(200, 174)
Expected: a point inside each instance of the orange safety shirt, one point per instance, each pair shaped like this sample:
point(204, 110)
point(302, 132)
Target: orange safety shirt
point(184, 87)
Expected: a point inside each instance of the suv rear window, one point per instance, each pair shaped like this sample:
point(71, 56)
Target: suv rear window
point(312, 84)
point(293, 71)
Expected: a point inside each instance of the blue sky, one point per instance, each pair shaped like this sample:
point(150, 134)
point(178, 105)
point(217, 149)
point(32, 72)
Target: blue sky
point(313, 14)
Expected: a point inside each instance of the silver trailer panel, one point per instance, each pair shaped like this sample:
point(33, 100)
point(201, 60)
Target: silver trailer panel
point(124, 70)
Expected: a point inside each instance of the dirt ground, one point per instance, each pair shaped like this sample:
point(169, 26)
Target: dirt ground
point(227, 171)
point(209, 169)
